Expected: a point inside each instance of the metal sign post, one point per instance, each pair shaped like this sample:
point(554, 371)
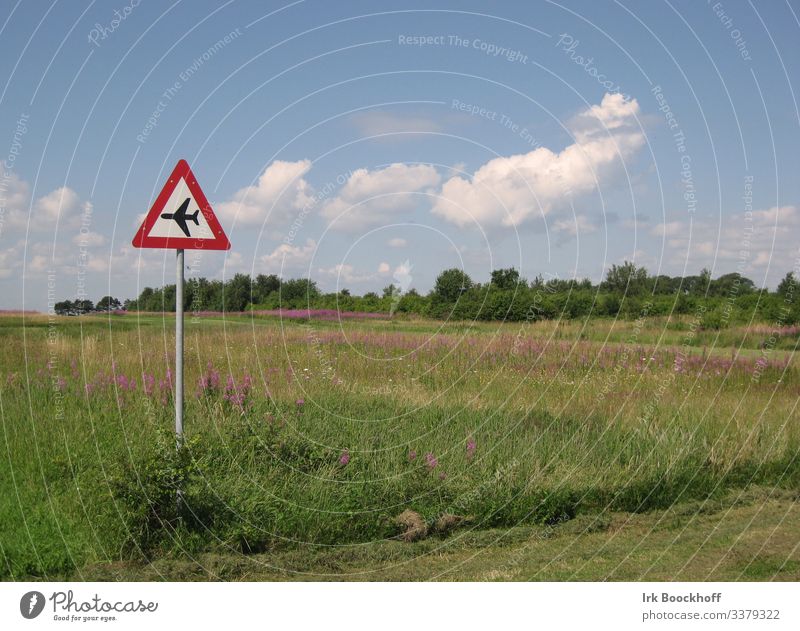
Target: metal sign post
point(179, 365)
point(179, 350)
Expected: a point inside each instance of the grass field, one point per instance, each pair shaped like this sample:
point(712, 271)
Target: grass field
point(377, 449)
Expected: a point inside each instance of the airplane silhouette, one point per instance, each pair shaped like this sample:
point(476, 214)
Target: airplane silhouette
point(180, 217)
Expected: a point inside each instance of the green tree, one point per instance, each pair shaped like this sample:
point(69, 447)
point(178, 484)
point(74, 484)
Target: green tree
point(83, 306)
point(236, 294)
point(108, 303)
point(788, 286)
point(505, 278)
point(625, 279)
point(451, 283)
point(298, 292)
point(63, 307)
point(263, 286)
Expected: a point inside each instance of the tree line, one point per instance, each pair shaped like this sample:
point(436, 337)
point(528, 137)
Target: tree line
point(84, 305)
point(627, 291)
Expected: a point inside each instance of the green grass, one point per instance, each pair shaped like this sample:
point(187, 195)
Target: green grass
point(575, 431)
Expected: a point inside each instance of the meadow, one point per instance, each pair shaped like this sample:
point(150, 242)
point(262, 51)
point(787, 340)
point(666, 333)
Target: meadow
point(404, 448)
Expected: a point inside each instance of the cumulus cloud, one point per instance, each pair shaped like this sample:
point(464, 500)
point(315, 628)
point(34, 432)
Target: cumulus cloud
point(11, 260)
point(371, 198)
point(397, 243)
point(60, 205)
point(280, 192)
point(508, 191)
point(289, 257)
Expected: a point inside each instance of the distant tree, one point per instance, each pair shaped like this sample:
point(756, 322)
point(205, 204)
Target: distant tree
point(505, 278)
point(451, 283)
point(704, 280)
point(625, 279)
point(263, 286)
point(83, 306)
point(731, 285)
point(108, 303)
point(64, 307)
point(788, 286)
point(236, 294)
point(390, 291)
point(298, 292)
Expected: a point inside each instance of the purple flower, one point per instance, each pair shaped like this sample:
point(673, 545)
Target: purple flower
point(431, 460)
point(412, 455)
point(237, 395)
point(149, 382)
point(300, 402)
point(344, 458)
point(471, 447)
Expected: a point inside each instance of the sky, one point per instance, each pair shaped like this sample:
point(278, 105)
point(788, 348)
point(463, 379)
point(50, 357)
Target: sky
point(368, 143)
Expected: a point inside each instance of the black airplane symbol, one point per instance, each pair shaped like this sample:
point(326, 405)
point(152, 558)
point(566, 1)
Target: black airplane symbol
point(180, 217)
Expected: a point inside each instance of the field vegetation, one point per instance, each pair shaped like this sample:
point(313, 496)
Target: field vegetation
point(368, 443)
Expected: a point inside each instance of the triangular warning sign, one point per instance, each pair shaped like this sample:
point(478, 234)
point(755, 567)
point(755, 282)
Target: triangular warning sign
point(181, 217)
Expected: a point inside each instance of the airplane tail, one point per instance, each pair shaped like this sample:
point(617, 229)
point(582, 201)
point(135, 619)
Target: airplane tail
point(194, 217)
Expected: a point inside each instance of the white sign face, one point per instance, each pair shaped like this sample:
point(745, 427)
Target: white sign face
point(181, 218)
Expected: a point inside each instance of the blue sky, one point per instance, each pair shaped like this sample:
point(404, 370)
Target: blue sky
point(360, 143)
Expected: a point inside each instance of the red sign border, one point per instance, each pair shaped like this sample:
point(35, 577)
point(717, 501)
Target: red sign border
point(142, 239)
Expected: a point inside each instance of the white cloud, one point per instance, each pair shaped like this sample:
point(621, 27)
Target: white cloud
point(89, 239)
point(60, 205)
point(61, 202)
point(289, 257)
point(384, 268)
point(11, 259)
point(397, 243)
point(280, 192)
point(371, 198)
point(344, 272)
point(508, 191)
point(575, 225)
point(399, 126)
point(668, 229)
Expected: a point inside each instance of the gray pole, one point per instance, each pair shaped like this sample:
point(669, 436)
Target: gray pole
point(179, 363)
point(179, 350)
